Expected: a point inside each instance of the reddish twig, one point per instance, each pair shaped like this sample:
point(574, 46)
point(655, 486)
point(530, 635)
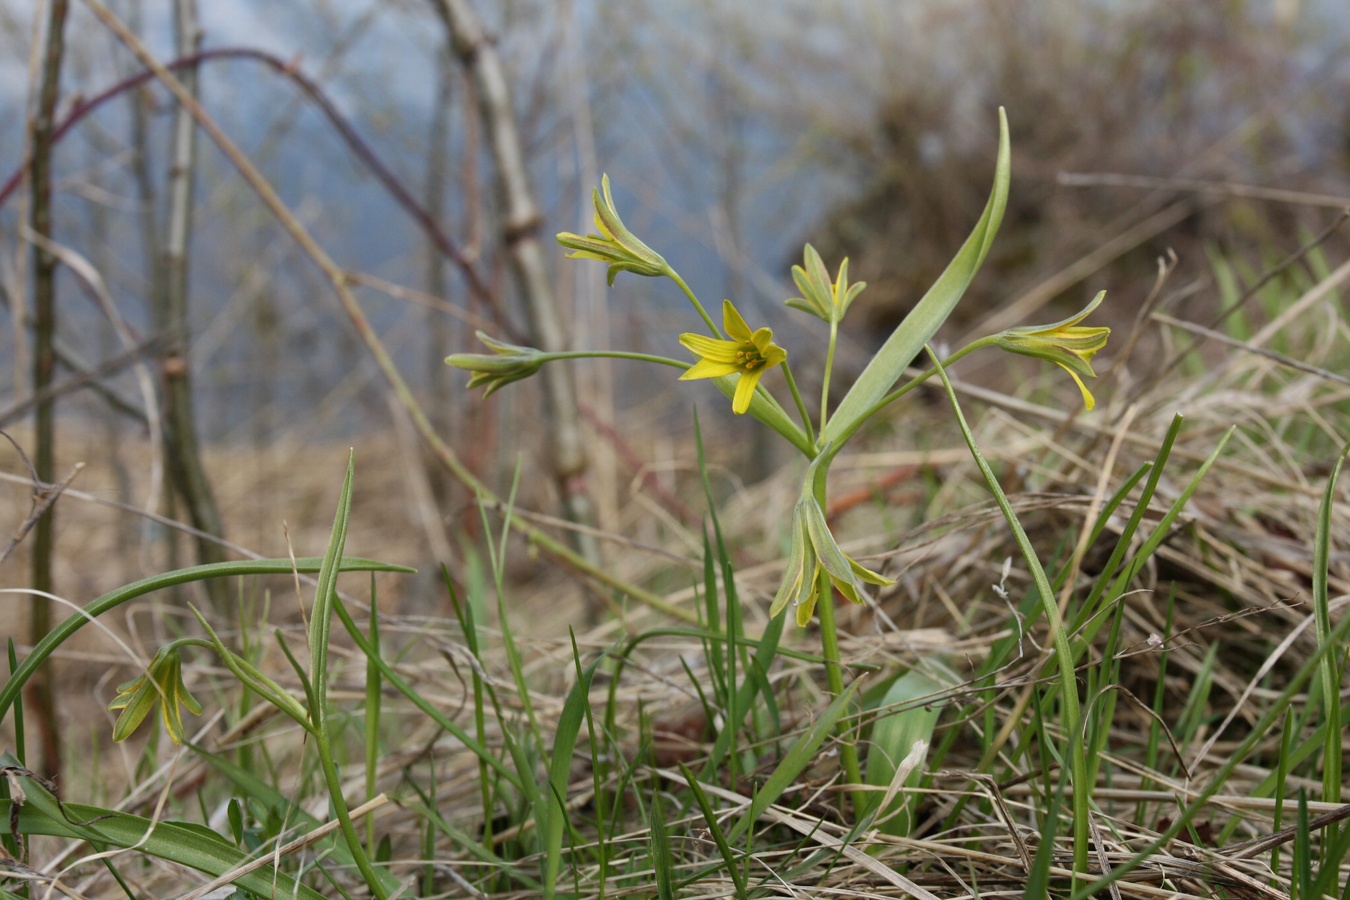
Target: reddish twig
point(358, 146)
point(842, 504)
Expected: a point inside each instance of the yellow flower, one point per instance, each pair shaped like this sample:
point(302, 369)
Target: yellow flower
point(507, 363)
point(814, 548)
point(162, 684)
point(748, 354)
point(615, 244)
point(1067, 343)
point(820, 297)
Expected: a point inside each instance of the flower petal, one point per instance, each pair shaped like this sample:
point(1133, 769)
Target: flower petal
point(733, 323)
point(798, 568)
point(806, 608)
point(1089, 402)
point(827, 549)
point(745, 391)
point(708, 368)
point(868, 575)
point(710, 348)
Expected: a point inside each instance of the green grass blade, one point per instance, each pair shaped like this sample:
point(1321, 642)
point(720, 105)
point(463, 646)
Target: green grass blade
point(663, 860)
point(552, 813)
point(1330, 669)
point(1303, 877)
point(1126, 538)
point(715, 830)
point(798, 757)
point(468, 625)
point(19, 742)
point(321, 616)
point(372, 729)
point(380, 881)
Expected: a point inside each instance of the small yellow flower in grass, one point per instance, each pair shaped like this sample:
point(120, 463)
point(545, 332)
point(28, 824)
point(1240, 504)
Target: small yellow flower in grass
point(507, 363)
point(748, 353)
point(813, 549)
point(615, 244)
point(162, 684)
point(1067, 343)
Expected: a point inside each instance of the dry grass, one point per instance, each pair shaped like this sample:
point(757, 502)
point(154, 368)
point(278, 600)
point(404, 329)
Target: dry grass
point(1225, 600)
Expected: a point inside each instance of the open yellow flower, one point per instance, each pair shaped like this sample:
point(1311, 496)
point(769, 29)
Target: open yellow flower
point(748, 353)
point(1067, 343)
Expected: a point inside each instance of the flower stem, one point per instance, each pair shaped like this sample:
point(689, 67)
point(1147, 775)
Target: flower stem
point(829, 367)
point(834, 677)
point(1071, 715)
point(707, 319)
point(616, 354)
point(801, 404)
point(906, 388)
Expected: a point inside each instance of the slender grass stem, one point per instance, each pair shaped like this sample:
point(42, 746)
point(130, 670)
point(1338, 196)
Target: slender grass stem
point(801, 404)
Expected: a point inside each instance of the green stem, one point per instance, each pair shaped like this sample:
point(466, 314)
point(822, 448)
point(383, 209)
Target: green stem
point(801, 405)
point(1068, 681)
point(707, 319)
point(372, 878)
point(615, 354)
point(829, 367)
point(909, 386)
point(834, 677)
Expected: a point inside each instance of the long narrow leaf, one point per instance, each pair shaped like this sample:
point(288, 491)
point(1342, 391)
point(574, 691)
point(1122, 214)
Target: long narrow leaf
point(918, 328)
point(321, 617)
point(1330, 674)
point(193, 847)
point(798, 757)
point(113, 599)
point(553, 812)
point(715, 830)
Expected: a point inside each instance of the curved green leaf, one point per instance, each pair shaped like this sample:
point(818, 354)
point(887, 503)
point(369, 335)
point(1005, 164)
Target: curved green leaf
point(181, 843)
point(894, 737)
point(116, 598)
point(907, 341)
point(798, 757)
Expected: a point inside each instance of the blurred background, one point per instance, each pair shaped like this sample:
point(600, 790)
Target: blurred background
point(732, 133)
